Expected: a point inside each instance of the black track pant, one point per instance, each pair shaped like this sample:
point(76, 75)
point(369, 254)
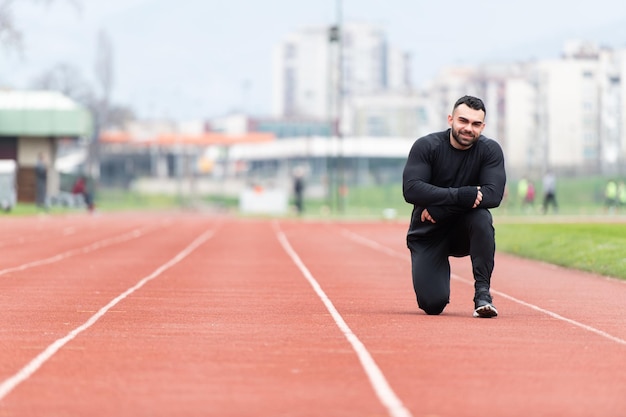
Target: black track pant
point(470, 234)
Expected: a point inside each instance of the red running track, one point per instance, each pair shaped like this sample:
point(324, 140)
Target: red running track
point(196, 315)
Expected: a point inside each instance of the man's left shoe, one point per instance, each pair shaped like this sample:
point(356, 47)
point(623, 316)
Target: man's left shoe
point(483, 306)
point(486, 311)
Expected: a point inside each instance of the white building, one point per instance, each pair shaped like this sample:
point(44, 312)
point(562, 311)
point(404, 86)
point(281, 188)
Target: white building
point(613, 99)
point(306, 70)
point(389, 115)
point(523, 151)
point(569, 98)
point(301, 66)
point(564, 113)
point(581, 101)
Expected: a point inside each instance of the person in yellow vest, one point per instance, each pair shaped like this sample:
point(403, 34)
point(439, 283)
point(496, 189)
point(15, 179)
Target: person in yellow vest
point(610, 196)
point(526, 195)
point(621, 195)
point(522, 191)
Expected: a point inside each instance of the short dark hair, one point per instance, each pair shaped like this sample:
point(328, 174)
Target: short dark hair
point(471, 102)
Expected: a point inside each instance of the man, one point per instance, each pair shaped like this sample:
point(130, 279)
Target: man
point(41, 182)
point(298, 189)
point(549, 192)
point(452, 178)
point(80, 188)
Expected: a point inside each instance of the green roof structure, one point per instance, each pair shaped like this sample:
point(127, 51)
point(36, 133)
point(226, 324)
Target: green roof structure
point(42, 113)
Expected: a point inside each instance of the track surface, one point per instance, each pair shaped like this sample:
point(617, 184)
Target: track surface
point(196, 315)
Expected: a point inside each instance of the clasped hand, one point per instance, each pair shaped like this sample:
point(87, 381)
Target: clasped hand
point(427, 217)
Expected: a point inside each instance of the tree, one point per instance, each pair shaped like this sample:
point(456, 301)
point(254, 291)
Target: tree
point(100, 111)
point(67, 80)
point(11, 35)
point(104, 75)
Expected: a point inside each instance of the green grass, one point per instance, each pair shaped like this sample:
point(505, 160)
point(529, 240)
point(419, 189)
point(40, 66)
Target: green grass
point(117, 200)
point(107, 200)
point(593, 247)
point(22, 209)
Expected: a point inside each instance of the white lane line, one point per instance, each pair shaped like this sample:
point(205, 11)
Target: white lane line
point(381, 248)
point(556, 316)
point(382, 388)
point(89, 248)
point(23, 374)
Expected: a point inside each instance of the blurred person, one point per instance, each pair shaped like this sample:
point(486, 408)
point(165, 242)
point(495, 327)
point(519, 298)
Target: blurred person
point(298, 189)
point(41, 182)
point(549, 192)
point(621, 195)
point(80, 188)
point(529, 198)
point(453, 178)
point(610, 196)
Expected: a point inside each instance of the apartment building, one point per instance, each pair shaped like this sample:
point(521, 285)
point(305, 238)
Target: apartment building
point(564, 113)
point(389, 115)
point(306, 69)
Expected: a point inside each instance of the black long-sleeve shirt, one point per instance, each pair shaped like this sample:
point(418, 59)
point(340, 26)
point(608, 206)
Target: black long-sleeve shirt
point(444, 180)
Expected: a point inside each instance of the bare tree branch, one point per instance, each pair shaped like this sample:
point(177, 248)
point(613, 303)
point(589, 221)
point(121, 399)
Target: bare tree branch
point(11, 36)
point(104, 65)
point(67, 80)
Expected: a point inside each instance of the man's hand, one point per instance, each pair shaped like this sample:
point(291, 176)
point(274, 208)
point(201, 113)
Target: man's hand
point(479, 198)
point(427, 217)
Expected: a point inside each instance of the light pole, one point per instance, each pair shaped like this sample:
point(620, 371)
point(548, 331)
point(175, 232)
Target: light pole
point(336, 36)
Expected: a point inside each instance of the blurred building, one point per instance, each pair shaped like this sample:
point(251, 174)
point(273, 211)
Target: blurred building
point(564, 113)
point(389, 114)
point(280, 127)
point(306, 69)
point(39, 123)
point(167, 151)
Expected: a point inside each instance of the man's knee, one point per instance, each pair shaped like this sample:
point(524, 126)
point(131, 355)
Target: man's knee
point(432, 307)
point(479, 223)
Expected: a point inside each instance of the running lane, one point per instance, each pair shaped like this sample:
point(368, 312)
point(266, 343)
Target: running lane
point(230, 329)
point(557, 348)
point(196, 315)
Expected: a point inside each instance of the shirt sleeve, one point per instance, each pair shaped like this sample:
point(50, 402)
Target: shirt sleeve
point(492, 176)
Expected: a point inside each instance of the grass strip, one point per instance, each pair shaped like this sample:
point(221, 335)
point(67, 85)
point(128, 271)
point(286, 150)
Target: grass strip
point(593, 247)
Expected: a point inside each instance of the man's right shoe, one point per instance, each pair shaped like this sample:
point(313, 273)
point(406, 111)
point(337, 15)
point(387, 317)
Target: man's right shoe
point(483, 306)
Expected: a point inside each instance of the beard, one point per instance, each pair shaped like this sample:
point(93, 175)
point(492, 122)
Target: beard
point(465, 138)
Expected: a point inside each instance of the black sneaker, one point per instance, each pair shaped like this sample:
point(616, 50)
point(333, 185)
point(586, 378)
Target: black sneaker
point(483, 306)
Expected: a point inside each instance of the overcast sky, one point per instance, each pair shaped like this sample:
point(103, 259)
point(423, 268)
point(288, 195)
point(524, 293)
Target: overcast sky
point(190, 59)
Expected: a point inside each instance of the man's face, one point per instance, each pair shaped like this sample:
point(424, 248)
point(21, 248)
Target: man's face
point(466, 125)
